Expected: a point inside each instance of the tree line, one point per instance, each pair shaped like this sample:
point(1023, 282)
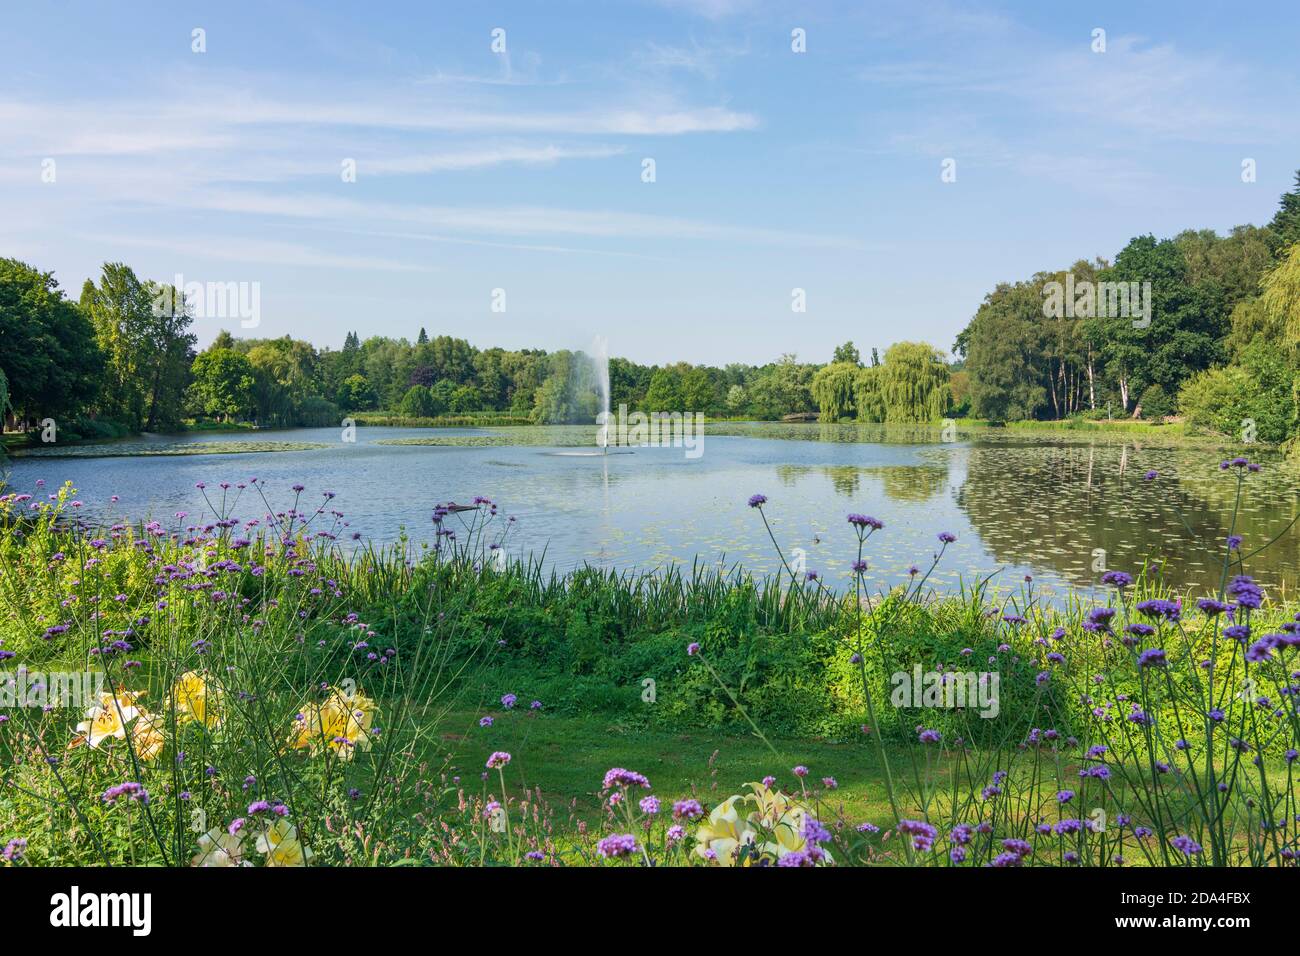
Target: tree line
point(1213, 336)
point(1217, 343)
point(115, 362)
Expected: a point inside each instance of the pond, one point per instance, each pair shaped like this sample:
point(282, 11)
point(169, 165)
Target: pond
point(1060, 508)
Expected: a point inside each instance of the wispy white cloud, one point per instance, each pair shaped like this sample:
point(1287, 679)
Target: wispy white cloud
point(320, 163)
point(452, 161)
point(209, 119)
point(185, 149)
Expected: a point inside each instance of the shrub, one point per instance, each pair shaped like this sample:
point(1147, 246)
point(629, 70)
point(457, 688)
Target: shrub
point(417, 403)
point(1259, 390)
point(1155, 403)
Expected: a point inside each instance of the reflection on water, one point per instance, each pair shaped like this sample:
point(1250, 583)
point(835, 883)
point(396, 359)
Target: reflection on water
point(1061, 509)
point(1082, 508)
point(898, 482)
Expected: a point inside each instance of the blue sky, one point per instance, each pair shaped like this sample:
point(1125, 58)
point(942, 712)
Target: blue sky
point(521, 171)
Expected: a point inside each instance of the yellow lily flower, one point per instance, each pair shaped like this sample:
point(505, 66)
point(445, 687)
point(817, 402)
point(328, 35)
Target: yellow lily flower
point(342, 724)
point(109, 718)
point(762, 814)
point(197, 700)
point(724, 833)
point(147, 736)
point(280, 843)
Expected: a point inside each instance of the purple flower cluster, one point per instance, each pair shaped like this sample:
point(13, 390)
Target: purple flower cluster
point(1185, 845)
point(922, 833)
point(129, 790)
point(687, 810)
point(618, 845)
point(1246, 592)
point(865, 521)
point(1152, 657)
point(618, 777)
point(1161, 609)
point(1239, 462)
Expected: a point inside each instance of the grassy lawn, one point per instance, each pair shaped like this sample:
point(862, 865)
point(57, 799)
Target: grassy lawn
point(566, 758)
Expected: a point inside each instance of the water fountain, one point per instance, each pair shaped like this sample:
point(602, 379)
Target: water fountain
point(595, 375)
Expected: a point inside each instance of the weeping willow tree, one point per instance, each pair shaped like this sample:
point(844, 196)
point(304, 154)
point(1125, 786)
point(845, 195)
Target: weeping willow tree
point(1281, 305)
point(833, 389)
point(867, 392)
point(914, 383)
point(1281, 296)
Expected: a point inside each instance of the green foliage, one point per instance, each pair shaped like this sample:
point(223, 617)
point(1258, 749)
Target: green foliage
point(1155, 403)
point(466, 399)
point(441, 394)
point(781, 388)
point(356, 393)
point(628, 383)
point(910, 387)
point(681, 388)
point(417, 403)
point(223, 383)
point(1286, 223)
point(833, 389)
point(568, 395)
point(1281, 296)
point(142, 329)
point(868, 395)
point(959, 392)
point(1235, 262)
point(49, 361)
point(1258, 390)
point(1250, 321)
point(914, 383)
point(999, 346)
point(1188, 320)
point(1211, 296)
point(848, 352)
point(317, 412)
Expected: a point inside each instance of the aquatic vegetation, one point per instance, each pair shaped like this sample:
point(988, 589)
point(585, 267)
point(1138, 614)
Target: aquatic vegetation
point(555, 436)
point(265, 695)
point(157, 449)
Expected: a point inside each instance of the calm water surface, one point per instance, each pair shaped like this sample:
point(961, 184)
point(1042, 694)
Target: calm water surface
point(1057, 508)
